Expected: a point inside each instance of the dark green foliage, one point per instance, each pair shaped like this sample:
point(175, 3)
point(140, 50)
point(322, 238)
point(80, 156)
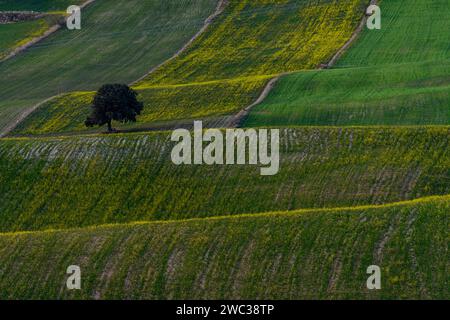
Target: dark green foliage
point(114, 102)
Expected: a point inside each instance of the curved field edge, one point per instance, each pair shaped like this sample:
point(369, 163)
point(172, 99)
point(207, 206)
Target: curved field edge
point(307, 255)
point(119, 42)
point(248, 42)
point(66, 182)
point(260, 37)
point(19, 34)
point(163, 105)
point(405, 94)
point(408, 60)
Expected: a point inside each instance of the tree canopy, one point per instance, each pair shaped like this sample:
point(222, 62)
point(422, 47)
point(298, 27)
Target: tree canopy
point(114, 102)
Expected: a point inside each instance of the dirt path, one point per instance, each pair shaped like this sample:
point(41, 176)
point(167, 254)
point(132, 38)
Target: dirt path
point(236, 120)
point(22, 117)
point(47, 33)
point(28, 111)
point(219, 9)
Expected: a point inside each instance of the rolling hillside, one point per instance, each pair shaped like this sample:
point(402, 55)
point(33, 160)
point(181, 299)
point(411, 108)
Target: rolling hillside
point(398, 75)
point(298, 255)
point(364, 154)
point(81, 181)
point(14, 35)
point(170, 103)
point(119, 41)
point(233, 59)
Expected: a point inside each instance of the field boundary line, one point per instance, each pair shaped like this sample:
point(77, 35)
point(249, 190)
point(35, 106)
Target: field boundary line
point(46, 34)
point(352, 39)
point(237, 119)
point(221, 5)
point(298, 212)
point(23, 115)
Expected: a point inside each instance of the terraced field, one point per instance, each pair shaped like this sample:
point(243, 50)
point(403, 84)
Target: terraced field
point(398, 75)
point(82, 181)
point(119, 41)
point(269, 256)
point(272, 37)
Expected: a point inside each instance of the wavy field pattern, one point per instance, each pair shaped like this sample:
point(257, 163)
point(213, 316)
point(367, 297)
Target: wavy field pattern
point(67, 113)
point(398, 75)
point(264, 37)
point(119, 41)
point(14, 35)
point(268, 256)
point(81, 181)
point(248, 43)
point(363, 181)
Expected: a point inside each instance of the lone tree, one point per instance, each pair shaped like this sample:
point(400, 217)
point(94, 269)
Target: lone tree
point(114, 102)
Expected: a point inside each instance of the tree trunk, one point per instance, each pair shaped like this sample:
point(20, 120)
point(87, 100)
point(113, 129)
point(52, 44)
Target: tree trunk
point(109, 126)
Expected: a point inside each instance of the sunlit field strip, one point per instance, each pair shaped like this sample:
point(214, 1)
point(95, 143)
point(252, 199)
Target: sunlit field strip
point(67, 182)
point(305, 255)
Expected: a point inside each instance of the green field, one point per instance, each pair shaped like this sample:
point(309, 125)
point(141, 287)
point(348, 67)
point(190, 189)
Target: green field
point(14, 35)
point(265, 37)
point(120, 40)
point(244, 61)
point(66, 113)
point(37, 5)
point(298, 255)
point(364, 153)
point(398, 75)
point(82, 181)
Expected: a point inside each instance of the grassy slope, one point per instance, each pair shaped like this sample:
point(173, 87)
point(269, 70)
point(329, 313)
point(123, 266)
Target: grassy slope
point(14, 35)
point(397, 75)
point(68, 112)
point(305, 255)
point(119, 41)
point(82, 181)
point(248, 40)
point(263, 37)
point(37, 5)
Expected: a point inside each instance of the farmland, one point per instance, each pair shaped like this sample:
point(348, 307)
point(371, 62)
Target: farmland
point(260, 37)
point(14, 35)
point(398, 75)
point(364, 153)
point(244, 61)
point(298, 255)
point(79, 181)
point(99, 52)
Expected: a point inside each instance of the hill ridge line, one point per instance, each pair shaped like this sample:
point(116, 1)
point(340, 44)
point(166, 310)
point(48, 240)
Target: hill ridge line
point(238, 118)
point(22, 116)
point(219, 9)
point(298, 212)
point(221, 5)
point(36, 40)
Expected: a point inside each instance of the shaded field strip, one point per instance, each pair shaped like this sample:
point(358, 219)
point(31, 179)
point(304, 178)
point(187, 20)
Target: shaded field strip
point(297, 212)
